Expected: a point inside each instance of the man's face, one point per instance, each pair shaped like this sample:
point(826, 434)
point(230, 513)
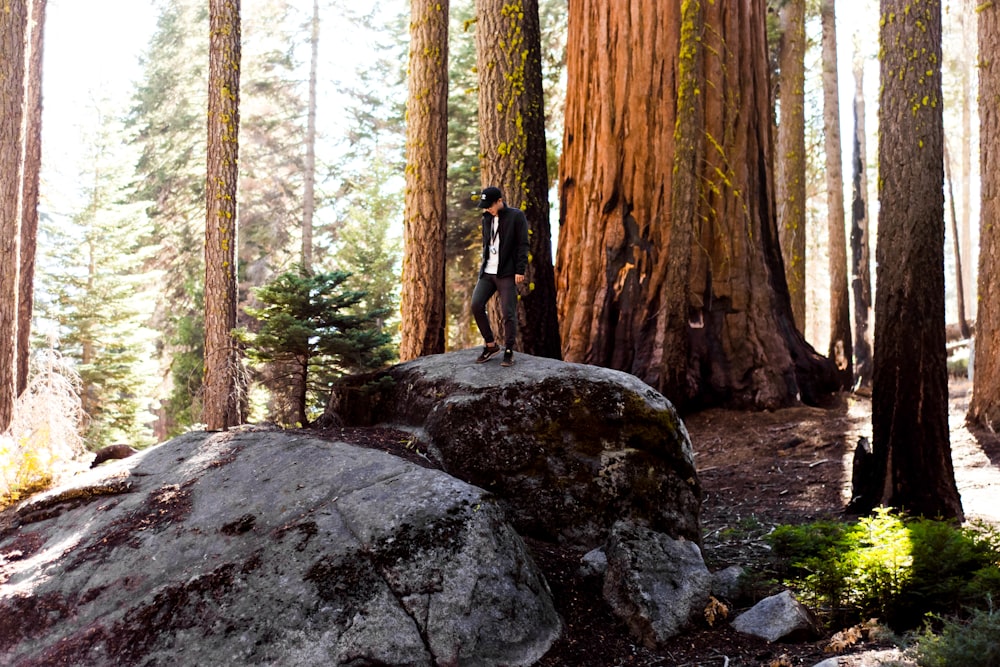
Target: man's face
point(495, 207)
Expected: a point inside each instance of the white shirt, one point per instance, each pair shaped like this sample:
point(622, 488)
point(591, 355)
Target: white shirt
point(493, 261)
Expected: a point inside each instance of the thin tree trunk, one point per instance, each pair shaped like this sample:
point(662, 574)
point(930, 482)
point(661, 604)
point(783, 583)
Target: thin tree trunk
point(223, 393)
point(984, 408)
point(13, 32)
point(309, 202)
point(513, 154)
point(425, 223)
point(968, 103)
point(860, 249)
point(790, 184)
point(910, 383)
point(841, 351)
point(963, 325)
point(29, 205)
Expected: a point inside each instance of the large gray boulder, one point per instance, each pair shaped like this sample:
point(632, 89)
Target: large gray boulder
point(570, 448)
point(267, 548)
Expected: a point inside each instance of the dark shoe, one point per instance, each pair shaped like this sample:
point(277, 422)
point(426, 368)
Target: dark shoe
point(508, 357)
point(488, 353)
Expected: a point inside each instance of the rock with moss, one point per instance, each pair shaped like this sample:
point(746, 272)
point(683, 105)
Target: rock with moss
point(268, 548)
point(570, 448)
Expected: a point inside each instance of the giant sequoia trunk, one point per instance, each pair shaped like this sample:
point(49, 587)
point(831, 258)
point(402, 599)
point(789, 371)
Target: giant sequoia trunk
point(513, 152)
point(425, 221)
point(790, 183)
point(985, 406)
point(223, 389)
point(910, 383)
point(649, 92)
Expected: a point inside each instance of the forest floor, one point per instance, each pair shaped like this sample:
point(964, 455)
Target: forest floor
point(757, 470)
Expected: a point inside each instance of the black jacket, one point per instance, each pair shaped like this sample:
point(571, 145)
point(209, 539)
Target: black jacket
point(513, 242)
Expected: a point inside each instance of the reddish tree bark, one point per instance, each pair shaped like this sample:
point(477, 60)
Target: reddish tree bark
point(985, 406)
point(841, 350)
point(425, 221)
point(910, 383)
point(790, 163)
point(620, 230)
point(29, 204)
point(223, 390)
point(13, 33)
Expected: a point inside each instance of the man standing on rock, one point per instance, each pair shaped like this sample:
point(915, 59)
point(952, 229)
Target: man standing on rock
point(505, 261)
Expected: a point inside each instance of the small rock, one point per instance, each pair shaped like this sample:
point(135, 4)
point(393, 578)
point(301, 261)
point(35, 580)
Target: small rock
point(594, 563)
point(726, 583)
point(779, 617)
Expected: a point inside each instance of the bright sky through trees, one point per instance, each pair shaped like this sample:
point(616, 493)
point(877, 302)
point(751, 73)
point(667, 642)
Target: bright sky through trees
point(91, 52)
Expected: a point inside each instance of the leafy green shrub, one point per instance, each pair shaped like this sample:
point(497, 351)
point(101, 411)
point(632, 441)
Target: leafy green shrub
point(971, 643)
point(888, 567)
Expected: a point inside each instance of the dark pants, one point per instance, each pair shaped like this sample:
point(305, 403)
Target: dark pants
point(487, 286)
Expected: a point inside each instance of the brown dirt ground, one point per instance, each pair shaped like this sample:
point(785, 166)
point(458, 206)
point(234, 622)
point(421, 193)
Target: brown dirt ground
point(757, 470)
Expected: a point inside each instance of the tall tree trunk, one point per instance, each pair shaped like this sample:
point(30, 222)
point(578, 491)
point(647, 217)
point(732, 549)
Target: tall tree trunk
point(222, 386)
point(13, 33)
point(963, 325)
point(968, 103)
point(841, 345)
point(860, 249)
point(625, 71)
point(425, 222)
point(513, 152)
point(29, 204)
point(910, 384)
point(308, 195)
point(790, 185)
point(985, 405)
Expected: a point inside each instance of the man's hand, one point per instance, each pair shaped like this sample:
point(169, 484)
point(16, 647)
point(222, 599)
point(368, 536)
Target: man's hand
point(518, 279)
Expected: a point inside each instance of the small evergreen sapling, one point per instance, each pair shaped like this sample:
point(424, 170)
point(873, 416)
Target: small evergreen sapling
point(316, 330)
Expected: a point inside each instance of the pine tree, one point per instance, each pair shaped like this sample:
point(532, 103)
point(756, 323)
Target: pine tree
point(223, 387)
point(29, 203)
point(101, 297)
point(424, 216)
point(366, 250)
point(272, 132)
point(307, 327)
point(167, 126)
point(13, 33)
point(167, 122)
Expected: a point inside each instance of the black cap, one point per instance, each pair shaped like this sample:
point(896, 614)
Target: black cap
point(489, 196)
